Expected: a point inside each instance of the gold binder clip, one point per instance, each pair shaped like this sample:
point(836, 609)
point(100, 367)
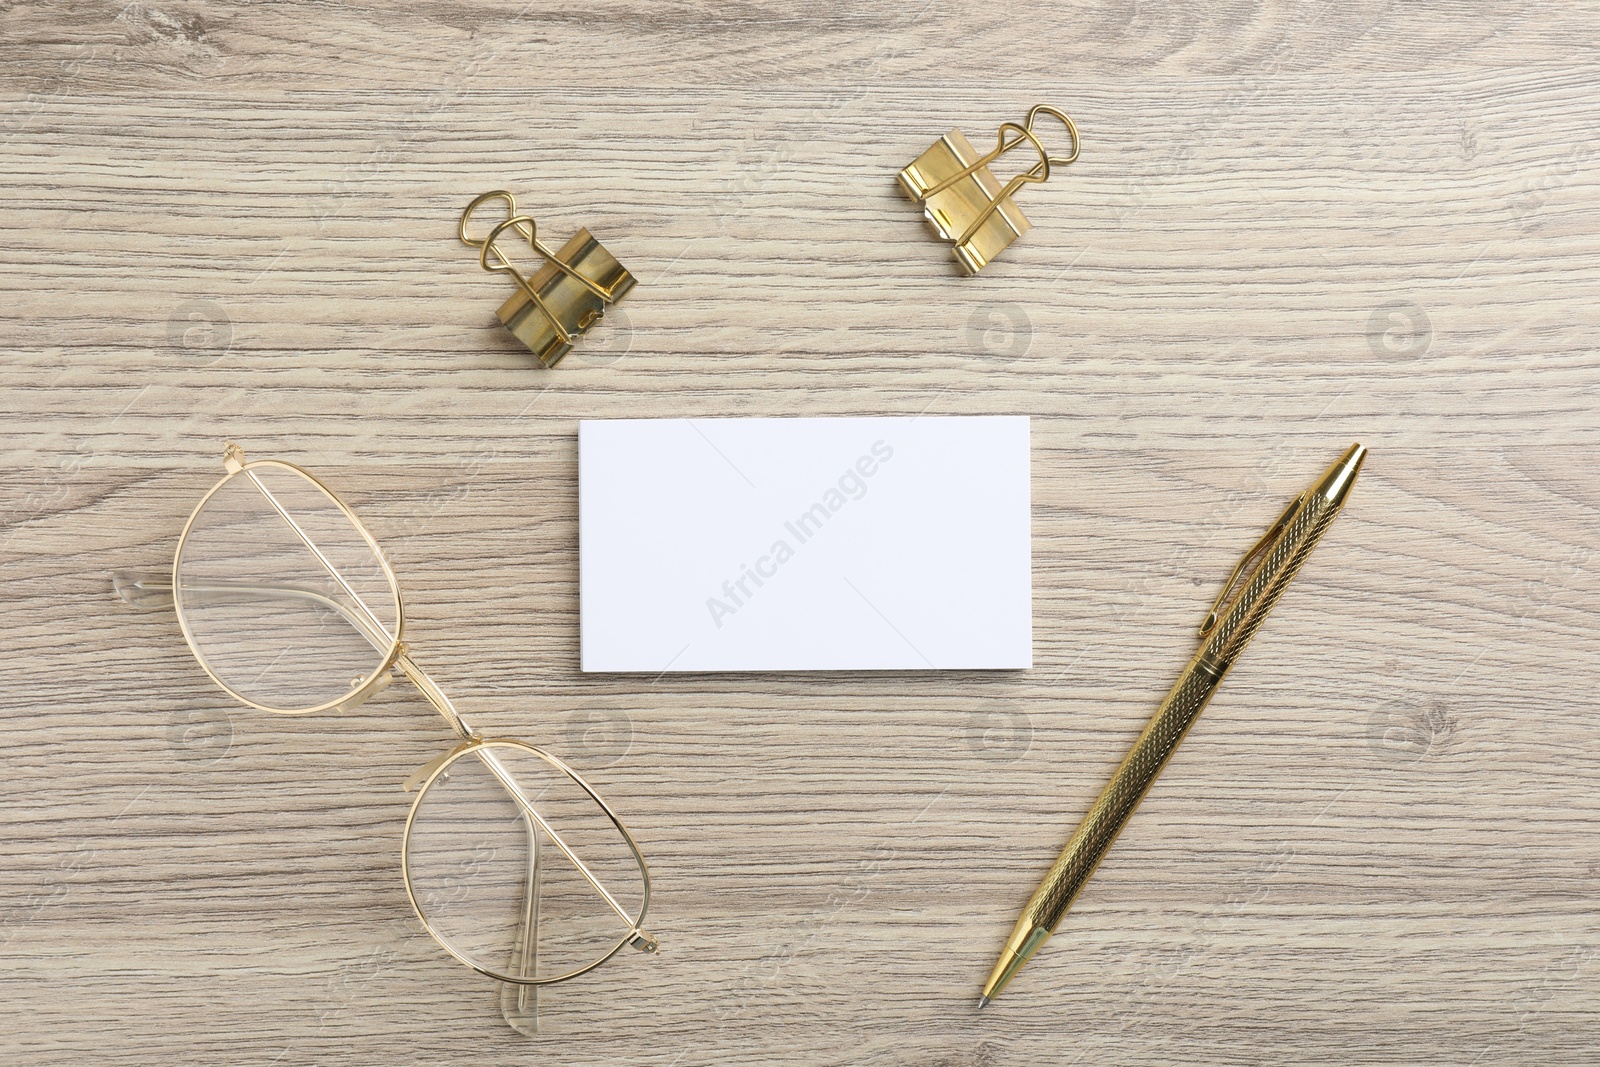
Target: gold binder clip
point(564, 297)
point(964, 201)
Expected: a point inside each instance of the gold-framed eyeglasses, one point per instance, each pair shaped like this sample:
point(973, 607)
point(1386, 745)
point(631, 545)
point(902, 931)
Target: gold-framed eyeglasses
point(514, 864)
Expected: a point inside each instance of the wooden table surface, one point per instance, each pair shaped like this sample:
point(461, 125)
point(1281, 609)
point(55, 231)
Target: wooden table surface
point(1293, 226)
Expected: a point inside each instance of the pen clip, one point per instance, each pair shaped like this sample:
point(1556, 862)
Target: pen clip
point(1268, 539)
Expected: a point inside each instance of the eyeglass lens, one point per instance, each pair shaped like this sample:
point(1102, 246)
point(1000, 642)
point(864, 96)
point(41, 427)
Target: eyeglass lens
point(495, 886)
point(283, 598)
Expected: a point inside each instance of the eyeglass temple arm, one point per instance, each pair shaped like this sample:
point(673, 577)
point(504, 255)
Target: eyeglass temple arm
point(641, 939)
point(151, 590)
point(311, 546)
point(522, 1001)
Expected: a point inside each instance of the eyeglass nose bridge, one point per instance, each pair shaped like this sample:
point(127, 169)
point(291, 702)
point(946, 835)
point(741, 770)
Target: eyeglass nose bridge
point(430, 689)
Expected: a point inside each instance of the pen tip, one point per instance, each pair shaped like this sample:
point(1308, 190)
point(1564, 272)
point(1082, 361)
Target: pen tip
point(983, 1002)
point(1336, 482)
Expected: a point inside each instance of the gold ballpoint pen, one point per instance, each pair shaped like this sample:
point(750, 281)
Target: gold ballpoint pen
point(1227, 628)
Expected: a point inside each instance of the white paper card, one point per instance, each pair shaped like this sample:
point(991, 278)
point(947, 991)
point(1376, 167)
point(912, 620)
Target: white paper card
point(805, 544)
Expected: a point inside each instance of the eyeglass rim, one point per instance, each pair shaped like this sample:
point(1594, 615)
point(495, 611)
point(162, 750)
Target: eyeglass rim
point(378, 677)
point(466, 748)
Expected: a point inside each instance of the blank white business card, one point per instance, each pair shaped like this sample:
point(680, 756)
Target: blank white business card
point(805, 544)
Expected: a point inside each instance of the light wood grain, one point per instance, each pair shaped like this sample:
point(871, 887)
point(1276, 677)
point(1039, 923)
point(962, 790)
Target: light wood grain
point(1378, 846)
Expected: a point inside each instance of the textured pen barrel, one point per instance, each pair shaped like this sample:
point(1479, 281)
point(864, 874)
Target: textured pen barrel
point(1177, 713)
point(1228, 627)
point(1121, 795)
